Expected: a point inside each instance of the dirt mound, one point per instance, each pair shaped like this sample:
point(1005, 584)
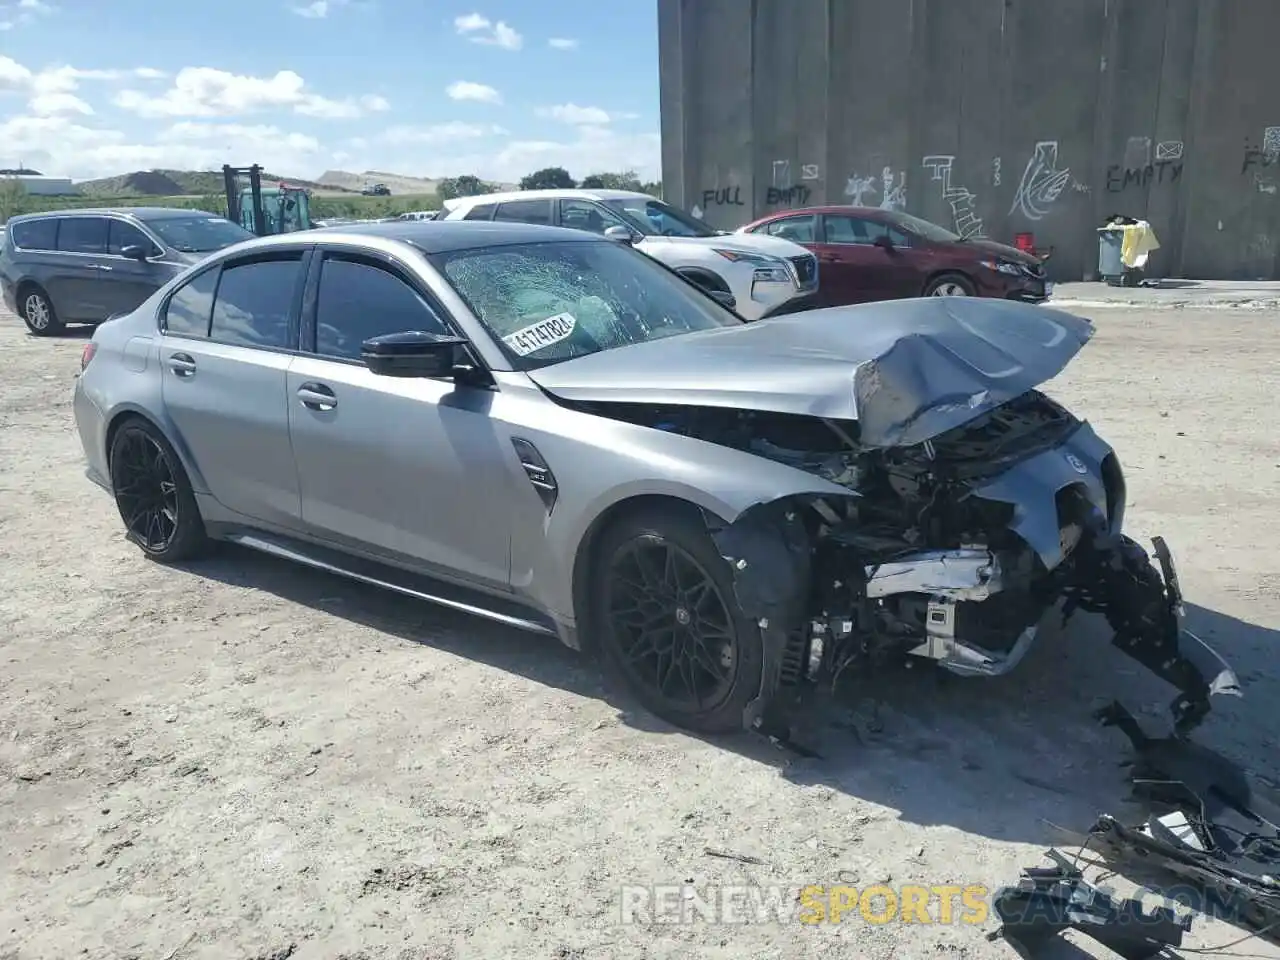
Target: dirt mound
point(151, 184)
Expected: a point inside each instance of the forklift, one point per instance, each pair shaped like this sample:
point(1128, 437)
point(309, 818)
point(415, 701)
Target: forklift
point(265, 211)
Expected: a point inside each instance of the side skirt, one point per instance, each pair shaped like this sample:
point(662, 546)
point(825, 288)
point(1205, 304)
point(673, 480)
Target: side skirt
point(398, 581)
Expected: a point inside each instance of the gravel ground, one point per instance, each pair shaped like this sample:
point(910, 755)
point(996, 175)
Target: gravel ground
point(248, 760)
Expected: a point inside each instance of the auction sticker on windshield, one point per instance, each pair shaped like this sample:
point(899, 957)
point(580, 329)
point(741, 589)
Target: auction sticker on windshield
point(544, 333)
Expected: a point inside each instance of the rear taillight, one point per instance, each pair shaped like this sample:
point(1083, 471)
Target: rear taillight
point(87, 353)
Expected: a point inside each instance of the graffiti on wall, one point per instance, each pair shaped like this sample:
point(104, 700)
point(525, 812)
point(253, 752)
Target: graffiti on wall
point(1042, 182)
point(794, 196)
point(963, 202)
point(809, 171)
point(995, 172)
point(1169, 150)
point(723, 197)
point(857, 188)
point(891, 187)
point(1262, 156)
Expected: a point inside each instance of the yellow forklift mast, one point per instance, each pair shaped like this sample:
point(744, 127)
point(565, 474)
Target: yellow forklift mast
point(265, 211)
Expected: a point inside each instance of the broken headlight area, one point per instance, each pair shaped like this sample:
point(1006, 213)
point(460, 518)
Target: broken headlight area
point(953, 549)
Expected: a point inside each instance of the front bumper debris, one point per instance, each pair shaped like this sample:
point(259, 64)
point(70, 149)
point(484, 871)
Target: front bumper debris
point(1206, 827)
point(1050, 900)
point(1116, 578)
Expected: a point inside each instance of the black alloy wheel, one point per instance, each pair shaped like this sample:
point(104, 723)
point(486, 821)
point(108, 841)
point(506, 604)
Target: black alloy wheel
point(671, 625)
point(153, 494)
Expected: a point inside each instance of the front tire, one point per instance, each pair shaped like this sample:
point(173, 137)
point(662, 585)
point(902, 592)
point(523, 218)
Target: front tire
point(154, 495)
point(38, 313)
point(950, 285)
point(670, 629)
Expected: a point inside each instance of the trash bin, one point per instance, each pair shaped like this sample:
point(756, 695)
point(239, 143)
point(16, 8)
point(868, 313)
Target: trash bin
point(1110, 244)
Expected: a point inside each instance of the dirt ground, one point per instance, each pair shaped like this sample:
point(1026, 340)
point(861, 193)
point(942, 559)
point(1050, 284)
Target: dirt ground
point(248, 760)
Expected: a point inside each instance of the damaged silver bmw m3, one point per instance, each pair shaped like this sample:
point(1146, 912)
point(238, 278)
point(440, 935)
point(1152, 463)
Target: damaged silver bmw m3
point(550, 429)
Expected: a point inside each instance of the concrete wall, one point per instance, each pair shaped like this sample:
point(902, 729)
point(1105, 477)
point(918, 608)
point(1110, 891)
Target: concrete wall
point(990, 116)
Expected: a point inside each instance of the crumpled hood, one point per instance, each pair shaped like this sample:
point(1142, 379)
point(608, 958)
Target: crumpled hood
point(907, 370)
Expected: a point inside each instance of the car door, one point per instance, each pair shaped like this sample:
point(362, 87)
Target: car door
point(399, 467)
point(75, 281)
point(229, 334)
point(849, 264)
point(128, 282)
point(902, 266)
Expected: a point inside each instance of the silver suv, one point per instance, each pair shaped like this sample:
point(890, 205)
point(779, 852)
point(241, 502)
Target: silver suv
point(86, 266)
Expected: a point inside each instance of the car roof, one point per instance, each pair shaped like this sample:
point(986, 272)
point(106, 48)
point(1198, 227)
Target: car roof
point(437, 236)
point(553, 194)
point(141, 213)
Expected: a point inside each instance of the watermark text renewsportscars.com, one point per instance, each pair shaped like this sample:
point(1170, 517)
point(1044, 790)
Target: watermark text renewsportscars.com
point(813, 904)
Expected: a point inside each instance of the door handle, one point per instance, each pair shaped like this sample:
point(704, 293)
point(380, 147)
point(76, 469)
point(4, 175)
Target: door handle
point(316, 396)
point(828, 258)
point(182, 365)
point(102, 266)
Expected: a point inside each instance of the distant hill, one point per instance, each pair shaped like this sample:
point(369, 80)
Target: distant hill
point(177, 183)
point(397, 183)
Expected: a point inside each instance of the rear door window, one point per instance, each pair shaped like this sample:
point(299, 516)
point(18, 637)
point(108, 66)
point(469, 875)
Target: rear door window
point(481, 211)
point(189, 309)
point(35, 234)
point(82, 235)
point(524, 211)
point(254, 305)
point(861, 232)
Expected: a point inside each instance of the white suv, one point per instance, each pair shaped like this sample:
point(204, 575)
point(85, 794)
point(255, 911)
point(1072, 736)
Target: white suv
point(764, 275)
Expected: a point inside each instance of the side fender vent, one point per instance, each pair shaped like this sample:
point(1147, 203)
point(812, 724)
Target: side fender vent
point(539, 473)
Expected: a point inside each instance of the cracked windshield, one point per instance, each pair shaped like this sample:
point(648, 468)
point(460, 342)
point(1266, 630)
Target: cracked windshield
point(639, 480)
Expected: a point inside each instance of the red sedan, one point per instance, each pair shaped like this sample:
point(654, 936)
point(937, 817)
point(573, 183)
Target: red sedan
point(866, 253)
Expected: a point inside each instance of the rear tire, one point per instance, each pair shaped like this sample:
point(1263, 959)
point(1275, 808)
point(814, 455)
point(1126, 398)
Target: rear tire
point(38, 313)
point(950, 285)
point(154, 495)
point(668, 623)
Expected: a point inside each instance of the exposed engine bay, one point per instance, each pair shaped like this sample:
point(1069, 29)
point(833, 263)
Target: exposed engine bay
point(952, 549)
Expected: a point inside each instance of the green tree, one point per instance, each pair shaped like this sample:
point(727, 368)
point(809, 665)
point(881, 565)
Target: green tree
point(549, 178)
point(13, 198)
point(653, 189)
point(467, 185)
point(626, 180)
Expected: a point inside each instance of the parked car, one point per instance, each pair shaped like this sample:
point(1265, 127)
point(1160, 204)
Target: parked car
point(546, 428)
point(758, 276)
point(83, 266)
point(872, 254)
point(376, 190)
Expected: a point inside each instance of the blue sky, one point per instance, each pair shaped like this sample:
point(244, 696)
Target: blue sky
point(415, 87)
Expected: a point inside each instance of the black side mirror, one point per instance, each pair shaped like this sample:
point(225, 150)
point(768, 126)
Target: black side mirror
point(134, 251)
point(724, 298)
point(414, 353)
point(883, 242)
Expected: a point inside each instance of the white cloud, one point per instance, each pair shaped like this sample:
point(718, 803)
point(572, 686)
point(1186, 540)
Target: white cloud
point(562, 43)
point(572, 113)
point(52, 90)
point(478, 28)
point(22, 12)
point(208, 92)
point(52, 104)
point(313, 11)
point(61, 146)
point(465, 90)
point(441, 133)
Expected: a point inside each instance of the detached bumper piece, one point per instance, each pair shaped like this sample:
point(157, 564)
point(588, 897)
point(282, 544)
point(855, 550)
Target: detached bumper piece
point(1144, 608)
point(1207, 829)
point(1050, 900)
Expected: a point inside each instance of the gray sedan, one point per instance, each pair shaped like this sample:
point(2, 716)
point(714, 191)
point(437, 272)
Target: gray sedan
point(552, 430)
